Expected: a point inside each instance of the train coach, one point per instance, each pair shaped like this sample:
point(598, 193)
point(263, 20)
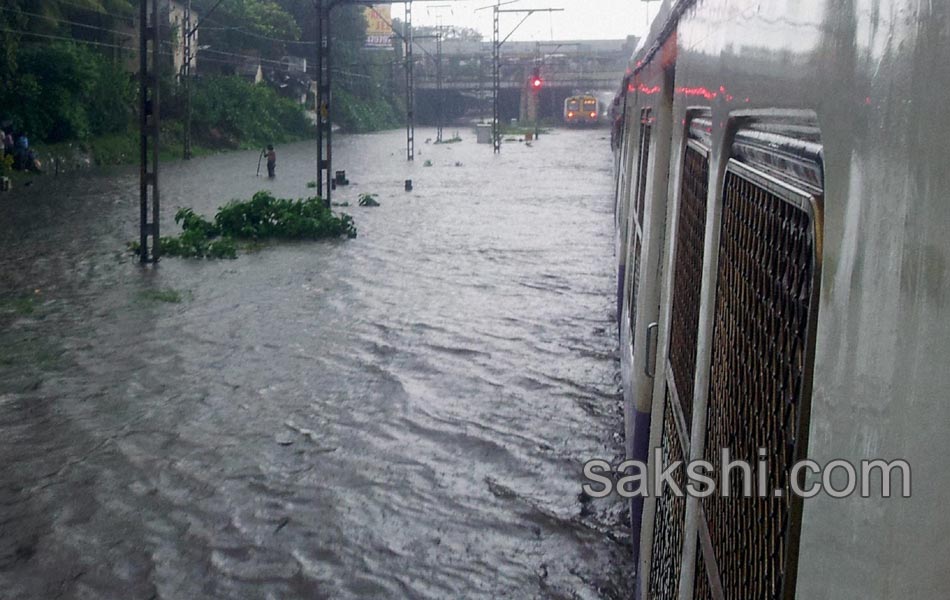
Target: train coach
point(583, 110)
point(784, 292)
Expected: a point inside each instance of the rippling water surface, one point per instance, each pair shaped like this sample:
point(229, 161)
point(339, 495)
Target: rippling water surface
point(400, 415)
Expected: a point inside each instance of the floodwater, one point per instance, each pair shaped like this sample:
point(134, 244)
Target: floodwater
point(402, 415)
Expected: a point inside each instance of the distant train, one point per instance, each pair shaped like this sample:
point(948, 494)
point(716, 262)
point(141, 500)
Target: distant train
point(583, 110)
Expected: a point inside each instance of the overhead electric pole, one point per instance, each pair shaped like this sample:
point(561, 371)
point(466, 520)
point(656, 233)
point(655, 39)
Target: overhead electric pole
point(149, 30)
point(186, 78)
point(438, 85)
point(440, 98)
point(324, 131)
point(495, 80)
point(497, 43)
point(189, 50)
point(323, 101)
point(410, 87)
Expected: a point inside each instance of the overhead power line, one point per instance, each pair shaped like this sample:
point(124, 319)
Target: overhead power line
point(243, 31)
point(72, 23)
point(63, 38)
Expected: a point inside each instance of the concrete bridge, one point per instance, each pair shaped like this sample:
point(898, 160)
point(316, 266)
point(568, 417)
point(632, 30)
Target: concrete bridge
point(567, 67)
point(579, 81)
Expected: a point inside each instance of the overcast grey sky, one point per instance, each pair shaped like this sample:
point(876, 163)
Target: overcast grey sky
point(581, 19)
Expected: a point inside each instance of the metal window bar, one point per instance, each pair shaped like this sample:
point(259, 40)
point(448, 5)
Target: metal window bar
point(634, 285)
point(706, 581)
point(760, 378)
point(701, 587)
point(670, 517)
point(687, 275)
point(669, 520)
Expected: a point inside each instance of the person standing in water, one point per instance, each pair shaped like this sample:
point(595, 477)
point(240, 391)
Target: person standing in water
point(271, 160)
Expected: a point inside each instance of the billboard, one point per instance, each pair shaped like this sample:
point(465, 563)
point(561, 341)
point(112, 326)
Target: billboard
point(379, 31)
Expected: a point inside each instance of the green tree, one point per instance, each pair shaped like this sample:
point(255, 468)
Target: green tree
point(230, 111)
point(54, 82)
point(68, 91)
point(237, 26)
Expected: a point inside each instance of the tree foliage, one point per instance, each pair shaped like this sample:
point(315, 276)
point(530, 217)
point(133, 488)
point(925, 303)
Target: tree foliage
point(232, 111)
point(57, 90)
point(242, 25)
point(67, 91)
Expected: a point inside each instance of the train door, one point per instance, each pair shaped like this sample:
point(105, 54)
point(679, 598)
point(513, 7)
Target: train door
point(647, 226)
point(753, 387)
point(665, 513)
point(738, 356)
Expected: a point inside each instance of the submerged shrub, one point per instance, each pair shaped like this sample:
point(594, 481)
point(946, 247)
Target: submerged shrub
point(222, 248)
point(262, 217)
point(191, 221)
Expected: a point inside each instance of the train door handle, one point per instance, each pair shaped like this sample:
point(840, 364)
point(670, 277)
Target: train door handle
point(649, 363)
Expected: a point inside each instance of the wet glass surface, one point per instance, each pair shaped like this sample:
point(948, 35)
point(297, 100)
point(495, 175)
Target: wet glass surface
point(405, 414)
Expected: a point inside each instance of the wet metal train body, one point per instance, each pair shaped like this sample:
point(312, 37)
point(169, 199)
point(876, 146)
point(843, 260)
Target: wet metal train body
point(783, 207)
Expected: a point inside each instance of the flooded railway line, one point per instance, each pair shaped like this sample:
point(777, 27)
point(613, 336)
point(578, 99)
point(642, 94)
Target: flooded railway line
point(401, 415)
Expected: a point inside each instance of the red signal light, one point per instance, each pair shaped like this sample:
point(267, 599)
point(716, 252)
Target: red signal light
point(534, 81)
point(570, 115)
point(593, 115)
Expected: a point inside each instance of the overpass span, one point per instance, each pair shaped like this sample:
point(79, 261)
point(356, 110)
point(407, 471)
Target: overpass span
point(567, 67)
point(583, 81)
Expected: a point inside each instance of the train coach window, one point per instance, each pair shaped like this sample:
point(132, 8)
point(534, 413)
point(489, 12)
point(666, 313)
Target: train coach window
point(646, 127)
point(689, 236)
point(762, 344)
point(687, 271)
point(643, 159)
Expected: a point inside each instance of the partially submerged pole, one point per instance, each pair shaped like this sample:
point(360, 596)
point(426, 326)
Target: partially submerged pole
point(149, 119)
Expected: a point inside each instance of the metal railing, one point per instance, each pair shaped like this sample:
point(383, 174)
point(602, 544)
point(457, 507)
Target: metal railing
point(759, 393)
point(687, 274)
point(670, 518)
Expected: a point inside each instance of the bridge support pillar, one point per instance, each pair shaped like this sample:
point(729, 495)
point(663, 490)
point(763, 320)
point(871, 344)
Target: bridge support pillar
point(529, 105)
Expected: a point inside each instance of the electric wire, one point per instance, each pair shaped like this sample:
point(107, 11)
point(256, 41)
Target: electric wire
point(63, 38)
point(72, 23)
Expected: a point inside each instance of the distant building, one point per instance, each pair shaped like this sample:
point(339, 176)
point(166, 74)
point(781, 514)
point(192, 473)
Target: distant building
point(251, 70)
point(173, 18)
point(294, 64)
point(291, 79)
